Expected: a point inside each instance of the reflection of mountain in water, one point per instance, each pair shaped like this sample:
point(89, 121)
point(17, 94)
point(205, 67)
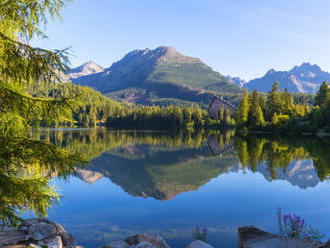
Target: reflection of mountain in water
point(300, 173)
point(162, 173)
point(162, 165)
point(158, 172)
point(88, 176)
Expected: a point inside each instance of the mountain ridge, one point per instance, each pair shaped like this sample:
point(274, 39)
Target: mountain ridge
point(305, 78)
point(165, 76)
point(161, 73)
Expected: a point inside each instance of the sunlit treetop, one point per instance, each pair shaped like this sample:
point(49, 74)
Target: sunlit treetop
point(22, 65)
point(23, 18)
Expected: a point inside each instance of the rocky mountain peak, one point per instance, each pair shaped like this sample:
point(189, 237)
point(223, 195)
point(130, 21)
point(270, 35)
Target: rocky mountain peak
point(88, 68)
point(237, 81)
point(162, 54)
point(306, 67)
point(271, 71)
point(305, 78)
point(170, 55)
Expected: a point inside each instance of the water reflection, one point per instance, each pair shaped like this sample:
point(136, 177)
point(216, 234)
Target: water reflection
point(26, 166)
point(162, 165)
point(218, 180)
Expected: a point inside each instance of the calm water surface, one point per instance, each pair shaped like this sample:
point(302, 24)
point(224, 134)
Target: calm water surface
point(166, 184)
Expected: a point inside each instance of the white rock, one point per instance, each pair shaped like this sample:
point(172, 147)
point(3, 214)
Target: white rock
point(199, 244)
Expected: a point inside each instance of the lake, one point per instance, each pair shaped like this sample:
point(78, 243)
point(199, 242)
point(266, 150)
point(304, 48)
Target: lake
point(168, 183)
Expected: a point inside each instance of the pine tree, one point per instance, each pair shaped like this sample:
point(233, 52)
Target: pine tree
point(21, 66)
point(323, 95)
point(273, 101)
point(221, 114)
point(259, 117)
point(275, 119)
point(254, 105)
point(243, 110)
point(287, 103)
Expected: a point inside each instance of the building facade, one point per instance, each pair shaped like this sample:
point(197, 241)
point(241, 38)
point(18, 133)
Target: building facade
point(218, 103)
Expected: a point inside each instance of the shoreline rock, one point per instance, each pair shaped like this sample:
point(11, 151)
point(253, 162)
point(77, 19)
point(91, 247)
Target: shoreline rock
point(252, 237)
point(41, 232)
point(148, 241)
point(37, 233)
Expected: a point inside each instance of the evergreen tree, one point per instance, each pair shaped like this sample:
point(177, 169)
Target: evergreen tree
point(262, 101)
point(254, 105)
point(243, 110)
point(323, 95)
point(275, 119)
point(259, 117)
point(273, 101)
point(287, 102)
point(21, 66)
point(221, 114)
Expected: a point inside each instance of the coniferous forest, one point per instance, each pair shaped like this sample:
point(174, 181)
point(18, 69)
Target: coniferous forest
point(277, 111)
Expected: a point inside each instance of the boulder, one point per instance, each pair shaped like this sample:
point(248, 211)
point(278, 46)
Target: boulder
point(40, 231)
point(155, 241)
point(252, 237)
point(12, 237)
point(53, 242)
point(139, 241)
point(117, 244)
point(199, 244)
point(37, 232)
point(143, 244)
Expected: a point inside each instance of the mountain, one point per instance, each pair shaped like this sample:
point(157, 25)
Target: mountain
point(305, 78)
point(84, 70)
point(145, 76)
point(237, 81)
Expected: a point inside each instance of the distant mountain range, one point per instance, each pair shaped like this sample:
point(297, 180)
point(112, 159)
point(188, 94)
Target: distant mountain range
point(305, 78)
point(163, 76)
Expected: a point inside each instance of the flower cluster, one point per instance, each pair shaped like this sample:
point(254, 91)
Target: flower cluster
point(200, 234)
point(293, 226)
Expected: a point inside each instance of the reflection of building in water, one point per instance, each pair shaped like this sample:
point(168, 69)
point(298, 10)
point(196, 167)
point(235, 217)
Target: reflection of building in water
point(216, 148)
point(218, 103)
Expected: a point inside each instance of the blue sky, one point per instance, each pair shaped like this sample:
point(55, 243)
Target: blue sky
point(237, 37)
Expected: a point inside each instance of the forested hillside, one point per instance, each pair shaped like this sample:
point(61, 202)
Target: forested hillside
point(92, 108)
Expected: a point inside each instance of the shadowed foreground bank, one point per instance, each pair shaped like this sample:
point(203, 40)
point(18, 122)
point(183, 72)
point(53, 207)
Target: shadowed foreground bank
point(42, 232)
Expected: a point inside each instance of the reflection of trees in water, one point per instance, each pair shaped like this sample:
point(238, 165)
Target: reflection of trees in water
point(279, 152)
point(220, 144)
point(26, 168)
point(93, 142)
point(156, 164)
point(162, 165)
